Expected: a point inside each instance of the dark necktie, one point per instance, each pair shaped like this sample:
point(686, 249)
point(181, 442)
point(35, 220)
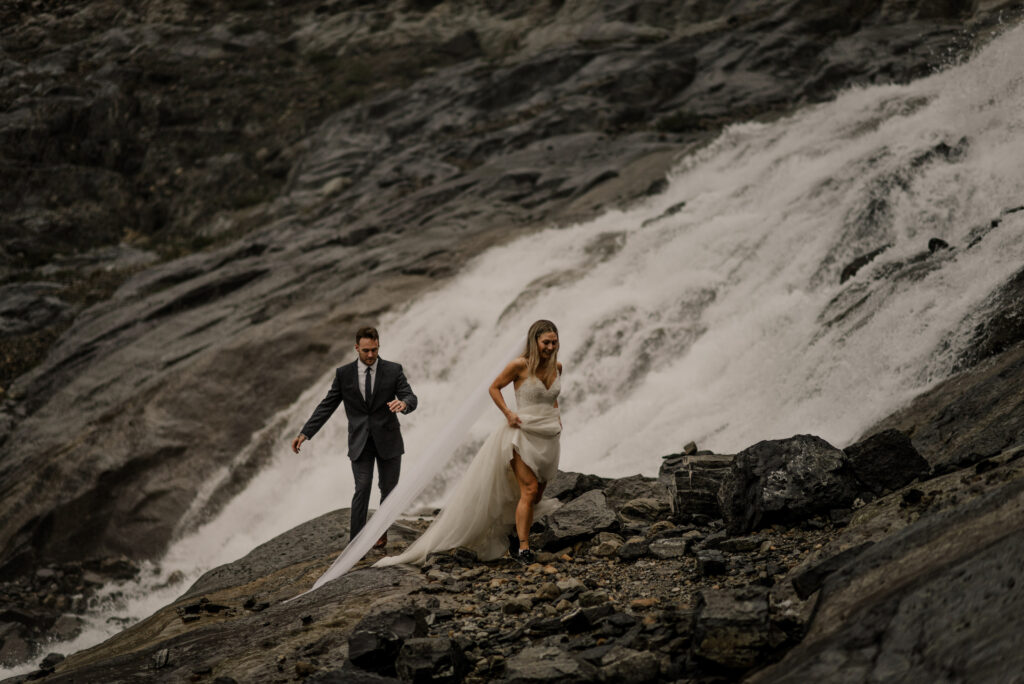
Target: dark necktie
point(367, 384)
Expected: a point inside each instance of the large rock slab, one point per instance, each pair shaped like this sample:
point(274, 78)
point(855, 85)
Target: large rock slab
point(568, 485)
point(580, 519)
point(785, 481)
point(539, 664)
point(625, 489)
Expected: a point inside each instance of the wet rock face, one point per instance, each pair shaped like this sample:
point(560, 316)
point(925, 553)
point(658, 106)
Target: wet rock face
point(1004, 326)
point(48, 605)
point(968, 418)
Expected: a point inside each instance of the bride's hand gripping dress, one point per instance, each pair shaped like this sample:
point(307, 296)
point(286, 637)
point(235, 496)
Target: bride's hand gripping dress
point(481, 509)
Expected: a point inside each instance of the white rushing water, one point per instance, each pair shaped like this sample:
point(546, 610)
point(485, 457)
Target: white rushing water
point(713, 312)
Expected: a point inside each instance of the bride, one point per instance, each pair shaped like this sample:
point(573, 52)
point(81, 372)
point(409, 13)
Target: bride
point(504, 482)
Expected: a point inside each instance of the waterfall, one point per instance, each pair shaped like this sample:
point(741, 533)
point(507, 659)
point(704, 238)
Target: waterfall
point(725, 310)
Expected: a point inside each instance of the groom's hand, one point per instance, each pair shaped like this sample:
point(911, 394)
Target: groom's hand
point(297, 442)
point(396, 405)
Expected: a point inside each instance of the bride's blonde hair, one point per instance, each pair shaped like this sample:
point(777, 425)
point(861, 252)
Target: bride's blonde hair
point(532, 352)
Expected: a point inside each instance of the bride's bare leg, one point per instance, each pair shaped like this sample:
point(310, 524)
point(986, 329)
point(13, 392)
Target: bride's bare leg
point(529, 494)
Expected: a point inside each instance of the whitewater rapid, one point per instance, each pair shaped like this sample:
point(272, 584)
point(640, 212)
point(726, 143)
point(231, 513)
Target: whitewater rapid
point(713, 312)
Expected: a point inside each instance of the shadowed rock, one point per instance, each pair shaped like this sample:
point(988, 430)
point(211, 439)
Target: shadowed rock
point(886, 461)
point(431, 660)
point(785, 481)
point(579, 519)
point(810, 580)
point(376, 641)
point(732, 629)
point(537, 664)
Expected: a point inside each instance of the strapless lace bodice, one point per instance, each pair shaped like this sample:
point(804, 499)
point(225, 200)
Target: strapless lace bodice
point(533, 392)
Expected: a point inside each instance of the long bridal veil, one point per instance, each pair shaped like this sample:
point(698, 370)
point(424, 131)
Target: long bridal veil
point(424, 468)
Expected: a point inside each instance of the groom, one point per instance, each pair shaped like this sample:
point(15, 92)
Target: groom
point(373, 391)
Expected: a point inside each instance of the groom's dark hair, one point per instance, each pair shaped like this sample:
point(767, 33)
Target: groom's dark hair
point(367, 332)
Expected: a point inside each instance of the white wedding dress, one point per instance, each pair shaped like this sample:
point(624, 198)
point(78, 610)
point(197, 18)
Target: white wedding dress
point(480, 512)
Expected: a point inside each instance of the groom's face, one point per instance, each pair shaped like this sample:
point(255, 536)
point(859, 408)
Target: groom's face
point(367, 349)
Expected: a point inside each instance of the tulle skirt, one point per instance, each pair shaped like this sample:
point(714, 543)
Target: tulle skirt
point(480, 512)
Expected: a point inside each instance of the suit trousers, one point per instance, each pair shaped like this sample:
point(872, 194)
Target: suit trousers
point(362, 473)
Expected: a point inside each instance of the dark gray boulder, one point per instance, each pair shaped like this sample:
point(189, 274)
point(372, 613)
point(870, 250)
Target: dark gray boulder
point(645, 510)
point(581, 518)
point(785, 481)
point(14, 649)
point(711, 562)
point(740, 544)
point(375, 643)
point(566, 486)
point(670, 547)
point(426, 660)
point(886, 461)
point(586, 619)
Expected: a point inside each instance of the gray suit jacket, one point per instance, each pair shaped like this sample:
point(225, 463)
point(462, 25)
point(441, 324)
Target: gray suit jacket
point(366, 418)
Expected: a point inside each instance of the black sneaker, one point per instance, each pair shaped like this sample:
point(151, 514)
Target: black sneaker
point(525, 557)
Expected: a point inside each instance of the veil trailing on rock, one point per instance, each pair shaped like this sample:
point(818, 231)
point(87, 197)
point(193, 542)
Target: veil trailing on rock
point(415, 479)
